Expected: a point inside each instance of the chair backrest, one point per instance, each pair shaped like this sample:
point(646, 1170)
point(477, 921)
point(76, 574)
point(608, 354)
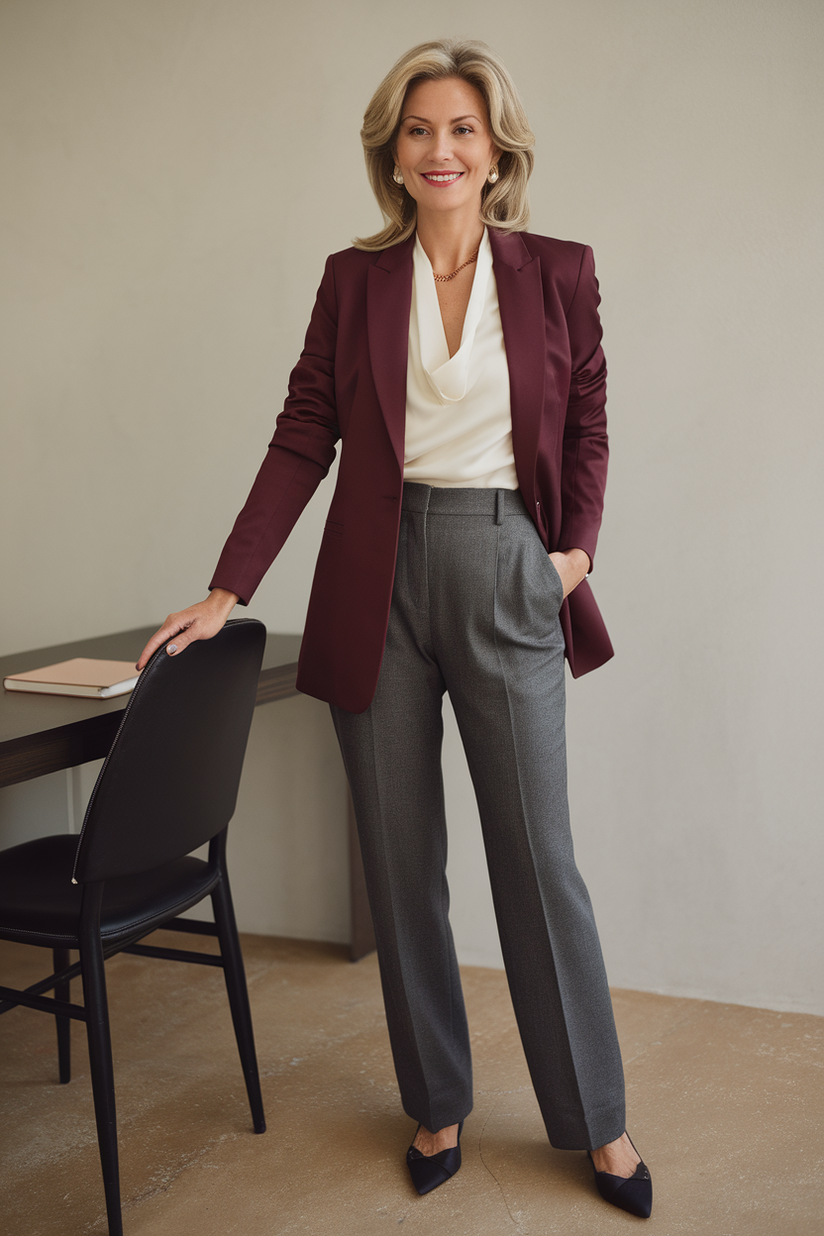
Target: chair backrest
point(171, 778)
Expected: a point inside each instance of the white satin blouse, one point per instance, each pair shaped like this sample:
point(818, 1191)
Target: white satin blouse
point(458, 416)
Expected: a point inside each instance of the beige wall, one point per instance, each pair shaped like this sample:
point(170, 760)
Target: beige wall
point(174, 174)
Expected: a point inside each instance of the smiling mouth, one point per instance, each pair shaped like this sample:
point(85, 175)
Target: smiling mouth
point(442, 178)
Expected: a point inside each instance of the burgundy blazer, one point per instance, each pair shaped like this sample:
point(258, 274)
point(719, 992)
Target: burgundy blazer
point(350, 383)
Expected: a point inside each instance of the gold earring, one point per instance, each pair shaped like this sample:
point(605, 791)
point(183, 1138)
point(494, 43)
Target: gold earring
point(397, 175)
point(492, 178)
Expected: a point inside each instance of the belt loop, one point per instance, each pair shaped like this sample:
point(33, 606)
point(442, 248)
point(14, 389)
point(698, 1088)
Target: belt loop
point(499, 506)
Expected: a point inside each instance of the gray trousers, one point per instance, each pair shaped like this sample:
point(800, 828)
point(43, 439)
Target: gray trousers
point(475, 613)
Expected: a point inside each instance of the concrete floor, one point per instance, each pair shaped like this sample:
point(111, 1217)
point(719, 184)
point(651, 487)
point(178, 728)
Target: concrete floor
point(725, 1103)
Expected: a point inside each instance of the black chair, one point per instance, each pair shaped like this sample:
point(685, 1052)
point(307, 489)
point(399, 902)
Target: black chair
point(168, 785)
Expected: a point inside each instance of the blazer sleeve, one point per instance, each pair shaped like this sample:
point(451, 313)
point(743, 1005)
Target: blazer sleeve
point(585, 447)
point(298, 458)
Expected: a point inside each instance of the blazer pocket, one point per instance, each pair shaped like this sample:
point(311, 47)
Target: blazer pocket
point(333, 527)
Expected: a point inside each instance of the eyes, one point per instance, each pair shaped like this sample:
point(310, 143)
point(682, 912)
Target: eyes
point(419, 130)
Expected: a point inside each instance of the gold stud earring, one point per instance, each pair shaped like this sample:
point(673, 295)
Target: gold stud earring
point(492, 178)
point(397, 175)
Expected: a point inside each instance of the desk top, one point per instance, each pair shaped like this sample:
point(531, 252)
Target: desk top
point(44, 733)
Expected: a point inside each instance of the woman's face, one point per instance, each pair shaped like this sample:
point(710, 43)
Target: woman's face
point(444, 146)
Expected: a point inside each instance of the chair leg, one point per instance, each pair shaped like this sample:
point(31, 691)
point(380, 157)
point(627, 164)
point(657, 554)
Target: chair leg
point(102, 1072)
point(235, 976)
point(62, 991)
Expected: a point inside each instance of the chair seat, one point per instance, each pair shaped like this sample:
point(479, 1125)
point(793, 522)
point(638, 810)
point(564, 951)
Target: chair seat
point(40, 905)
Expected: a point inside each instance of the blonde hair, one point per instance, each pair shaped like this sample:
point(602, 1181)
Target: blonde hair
point(504, 205)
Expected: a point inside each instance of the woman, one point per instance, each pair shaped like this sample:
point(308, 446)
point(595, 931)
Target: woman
point(458, 359)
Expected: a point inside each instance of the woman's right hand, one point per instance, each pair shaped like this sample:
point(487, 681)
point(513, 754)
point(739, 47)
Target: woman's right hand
point(200, 621)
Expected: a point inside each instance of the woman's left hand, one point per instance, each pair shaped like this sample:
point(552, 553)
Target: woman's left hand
point(572, 565)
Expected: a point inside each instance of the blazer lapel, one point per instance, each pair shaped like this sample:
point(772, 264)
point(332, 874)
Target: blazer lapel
point(388, 301)
point(520, 297)
point(523, 319)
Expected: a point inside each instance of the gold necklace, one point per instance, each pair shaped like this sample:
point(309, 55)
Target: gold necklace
point(446, 278)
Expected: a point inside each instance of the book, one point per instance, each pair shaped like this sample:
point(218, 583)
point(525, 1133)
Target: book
point(84, 676)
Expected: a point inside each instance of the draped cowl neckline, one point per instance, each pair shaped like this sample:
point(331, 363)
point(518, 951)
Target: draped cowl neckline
point(448, 376)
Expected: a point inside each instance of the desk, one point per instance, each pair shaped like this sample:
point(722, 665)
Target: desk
point(46, 733)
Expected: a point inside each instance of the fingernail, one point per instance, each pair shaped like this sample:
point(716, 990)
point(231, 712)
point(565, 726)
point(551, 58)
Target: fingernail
point(170, 648)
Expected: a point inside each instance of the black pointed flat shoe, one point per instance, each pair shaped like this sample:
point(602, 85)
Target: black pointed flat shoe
point(631, 1193)
point(430, 1170)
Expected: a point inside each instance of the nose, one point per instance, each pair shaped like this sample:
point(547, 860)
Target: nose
point(442, 146)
